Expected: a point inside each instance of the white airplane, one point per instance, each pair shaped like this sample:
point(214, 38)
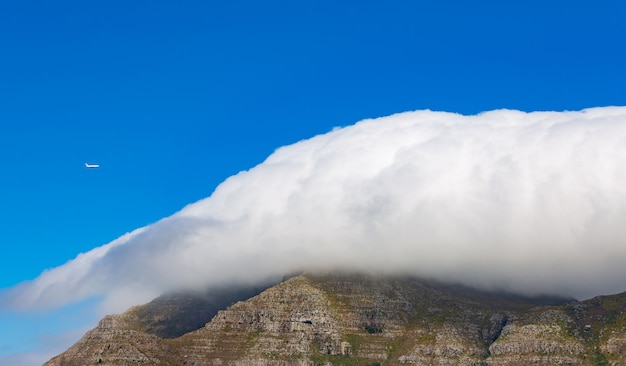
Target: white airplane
point(92, 165)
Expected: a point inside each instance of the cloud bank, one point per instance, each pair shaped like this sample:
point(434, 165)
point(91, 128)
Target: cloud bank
point(530, 202)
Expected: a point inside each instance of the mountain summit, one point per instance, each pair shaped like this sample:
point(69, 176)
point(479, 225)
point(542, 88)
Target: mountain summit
point(350, 319)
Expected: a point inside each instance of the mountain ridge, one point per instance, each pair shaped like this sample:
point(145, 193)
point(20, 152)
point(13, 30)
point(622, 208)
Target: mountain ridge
point(357, 319)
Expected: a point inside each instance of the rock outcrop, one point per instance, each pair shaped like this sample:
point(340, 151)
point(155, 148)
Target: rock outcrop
point(112, 342)
point(364, 320)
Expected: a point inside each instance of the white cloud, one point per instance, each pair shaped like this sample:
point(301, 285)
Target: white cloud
point(534, 202)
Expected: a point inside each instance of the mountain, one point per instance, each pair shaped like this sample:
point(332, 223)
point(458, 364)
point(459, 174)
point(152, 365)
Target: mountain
point(350, 319)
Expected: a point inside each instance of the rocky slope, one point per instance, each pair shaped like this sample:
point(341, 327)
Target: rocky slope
point(363, 320)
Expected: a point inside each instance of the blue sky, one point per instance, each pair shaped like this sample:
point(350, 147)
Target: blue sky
point(171, 98)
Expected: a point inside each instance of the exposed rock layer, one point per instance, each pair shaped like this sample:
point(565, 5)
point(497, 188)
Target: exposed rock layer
point(363, 320)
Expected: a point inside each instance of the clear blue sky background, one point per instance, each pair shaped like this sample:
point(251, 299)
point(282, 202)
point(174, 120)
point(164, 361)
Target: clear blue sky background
point(172, 97)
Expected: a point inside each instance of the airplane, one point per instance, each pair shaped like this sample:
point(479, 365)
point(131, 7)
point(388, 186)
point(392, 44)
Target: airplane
point(92, 165)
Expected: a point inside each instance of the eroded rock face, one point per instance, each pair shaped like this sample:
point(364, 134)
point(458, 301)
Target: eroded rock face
point(362, 320)
point(544, 344)
point(283, 325)
point(112, 342)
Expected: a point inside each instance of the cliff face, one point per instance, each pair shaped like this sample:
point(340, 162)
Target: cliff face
point(362, 320)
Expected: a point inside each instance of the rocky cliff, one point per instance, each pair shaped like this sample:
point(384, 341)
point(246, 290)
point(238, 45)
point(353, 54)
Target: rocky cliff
point(363, 320)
